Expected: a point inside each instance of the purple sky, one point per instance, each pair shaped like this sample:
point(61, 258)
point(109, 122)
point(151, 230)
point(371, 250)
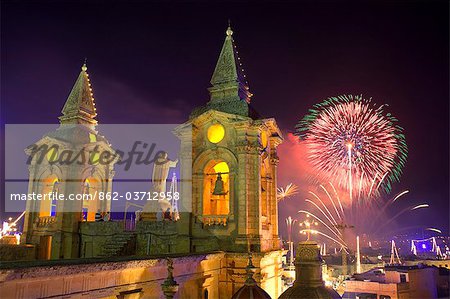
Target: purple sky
point(151, 63)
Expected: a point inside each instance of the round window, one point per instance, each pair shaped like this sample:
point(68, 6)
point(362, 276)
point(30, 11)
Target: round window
point(216, 133)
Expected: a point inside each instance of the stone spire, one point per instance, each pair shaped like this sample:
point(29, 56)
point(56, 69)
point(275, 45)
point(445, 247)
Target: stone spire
point(229, 92)
point(80, 106)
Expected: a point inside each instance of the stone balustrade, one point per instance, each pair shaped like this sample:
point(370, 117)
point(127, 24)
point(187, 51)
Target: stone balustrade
point(214, 219)
point(45, 221)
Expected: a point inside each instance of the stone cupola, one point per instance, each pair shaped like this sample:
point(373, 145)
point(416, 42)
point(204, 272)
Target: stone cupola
point(308, 272)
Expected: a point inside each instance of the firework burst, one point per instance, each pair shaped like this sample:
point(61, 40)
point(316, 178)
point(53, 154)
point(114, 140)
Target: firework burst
point(288, 191)
point(355, 144)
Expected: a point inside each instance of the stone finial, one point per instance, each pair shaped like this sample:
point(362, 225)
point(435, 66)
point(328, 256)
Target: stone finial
point(169, 286)
point(251, 270)
point(229, 31)
point(84, 66)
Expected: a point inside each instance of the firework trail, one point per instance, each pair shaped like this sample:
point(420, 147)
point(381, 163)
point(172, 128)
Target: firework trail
point(354, 144)
point(434, 230)
point(288, 191)
point(412, 208)
point(313, 231)
point(363, 220)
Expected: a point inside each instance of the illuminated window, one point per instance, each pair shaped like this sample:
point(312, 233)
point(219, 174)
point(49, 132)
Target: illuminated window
point(52, 154)
point(48, 203)
point(94, 158)
point(89, 208)
point(216, 189)
point(264, 139)
point(264, 187)
point(55, 193)
point(92, 137)
point(216, 133)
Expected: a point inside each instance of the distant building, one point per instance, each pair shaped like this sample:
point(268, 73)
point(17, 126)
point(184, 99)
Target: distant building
point(398, 282)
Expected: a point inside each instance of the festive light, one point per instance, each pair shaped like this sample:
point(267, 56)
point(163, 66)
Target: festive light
point(10, 228)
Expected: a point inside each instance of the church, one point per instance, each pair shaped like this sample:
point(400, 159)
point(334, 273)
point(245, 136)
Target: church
point(231, 155)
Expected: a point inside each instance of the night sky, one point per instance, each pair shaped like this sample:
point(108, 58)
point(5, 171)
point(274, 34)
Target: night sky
point(151, 63)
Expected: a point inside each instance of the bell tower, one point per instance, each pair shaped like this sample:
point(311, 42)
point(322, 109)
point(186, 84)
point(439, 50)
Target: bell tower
point(66, 162)
point(234, 165)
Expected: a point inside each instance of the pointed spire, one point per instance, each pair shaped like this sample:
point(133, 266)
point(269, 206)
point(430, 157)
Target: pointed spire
point(80, 106)
point(228, 80)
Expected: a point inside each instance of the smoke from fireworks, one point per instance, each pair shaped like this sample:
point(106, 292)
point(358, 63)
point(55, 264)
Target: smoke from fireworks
point(354, 144)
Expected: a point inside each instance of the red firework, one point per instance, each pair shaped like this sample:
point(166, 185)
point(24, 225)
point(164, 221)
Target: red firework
point(354, 144)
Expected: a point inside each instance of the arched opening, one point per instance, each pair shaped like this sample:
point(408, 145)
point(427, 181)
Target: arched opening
point(90, 203)
point(49, 191)
point(264, 187)
point(216, 188)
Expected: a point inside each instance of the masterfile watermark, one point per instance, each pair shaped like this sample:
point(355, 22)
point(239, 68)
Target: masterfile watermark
point(140, 153)
point(73, 168)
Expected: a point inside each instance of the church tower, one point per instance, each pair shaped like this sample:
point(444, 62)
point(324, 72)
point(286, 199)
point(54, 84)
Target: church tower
point(65, 162)
point(234, 165)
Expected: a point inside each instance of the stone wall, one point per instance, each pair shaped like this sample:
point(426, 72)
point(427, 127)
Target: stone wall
point(221, 274)
point(12, 252)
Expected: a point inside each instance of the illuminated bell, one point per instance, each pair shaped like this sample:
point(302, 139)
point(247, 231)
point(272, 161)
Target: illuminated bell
point(218, 186)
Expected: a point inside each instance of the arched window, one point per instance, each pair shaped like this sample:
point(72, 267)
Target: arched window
point(216, 188)
point(55, 192)
point(90, 203)
point(50, 188)
point(264, 187)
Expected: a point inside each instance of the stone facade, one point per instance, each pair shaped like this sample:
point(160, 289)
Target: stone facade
point(219, 274)
point(251, 220)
